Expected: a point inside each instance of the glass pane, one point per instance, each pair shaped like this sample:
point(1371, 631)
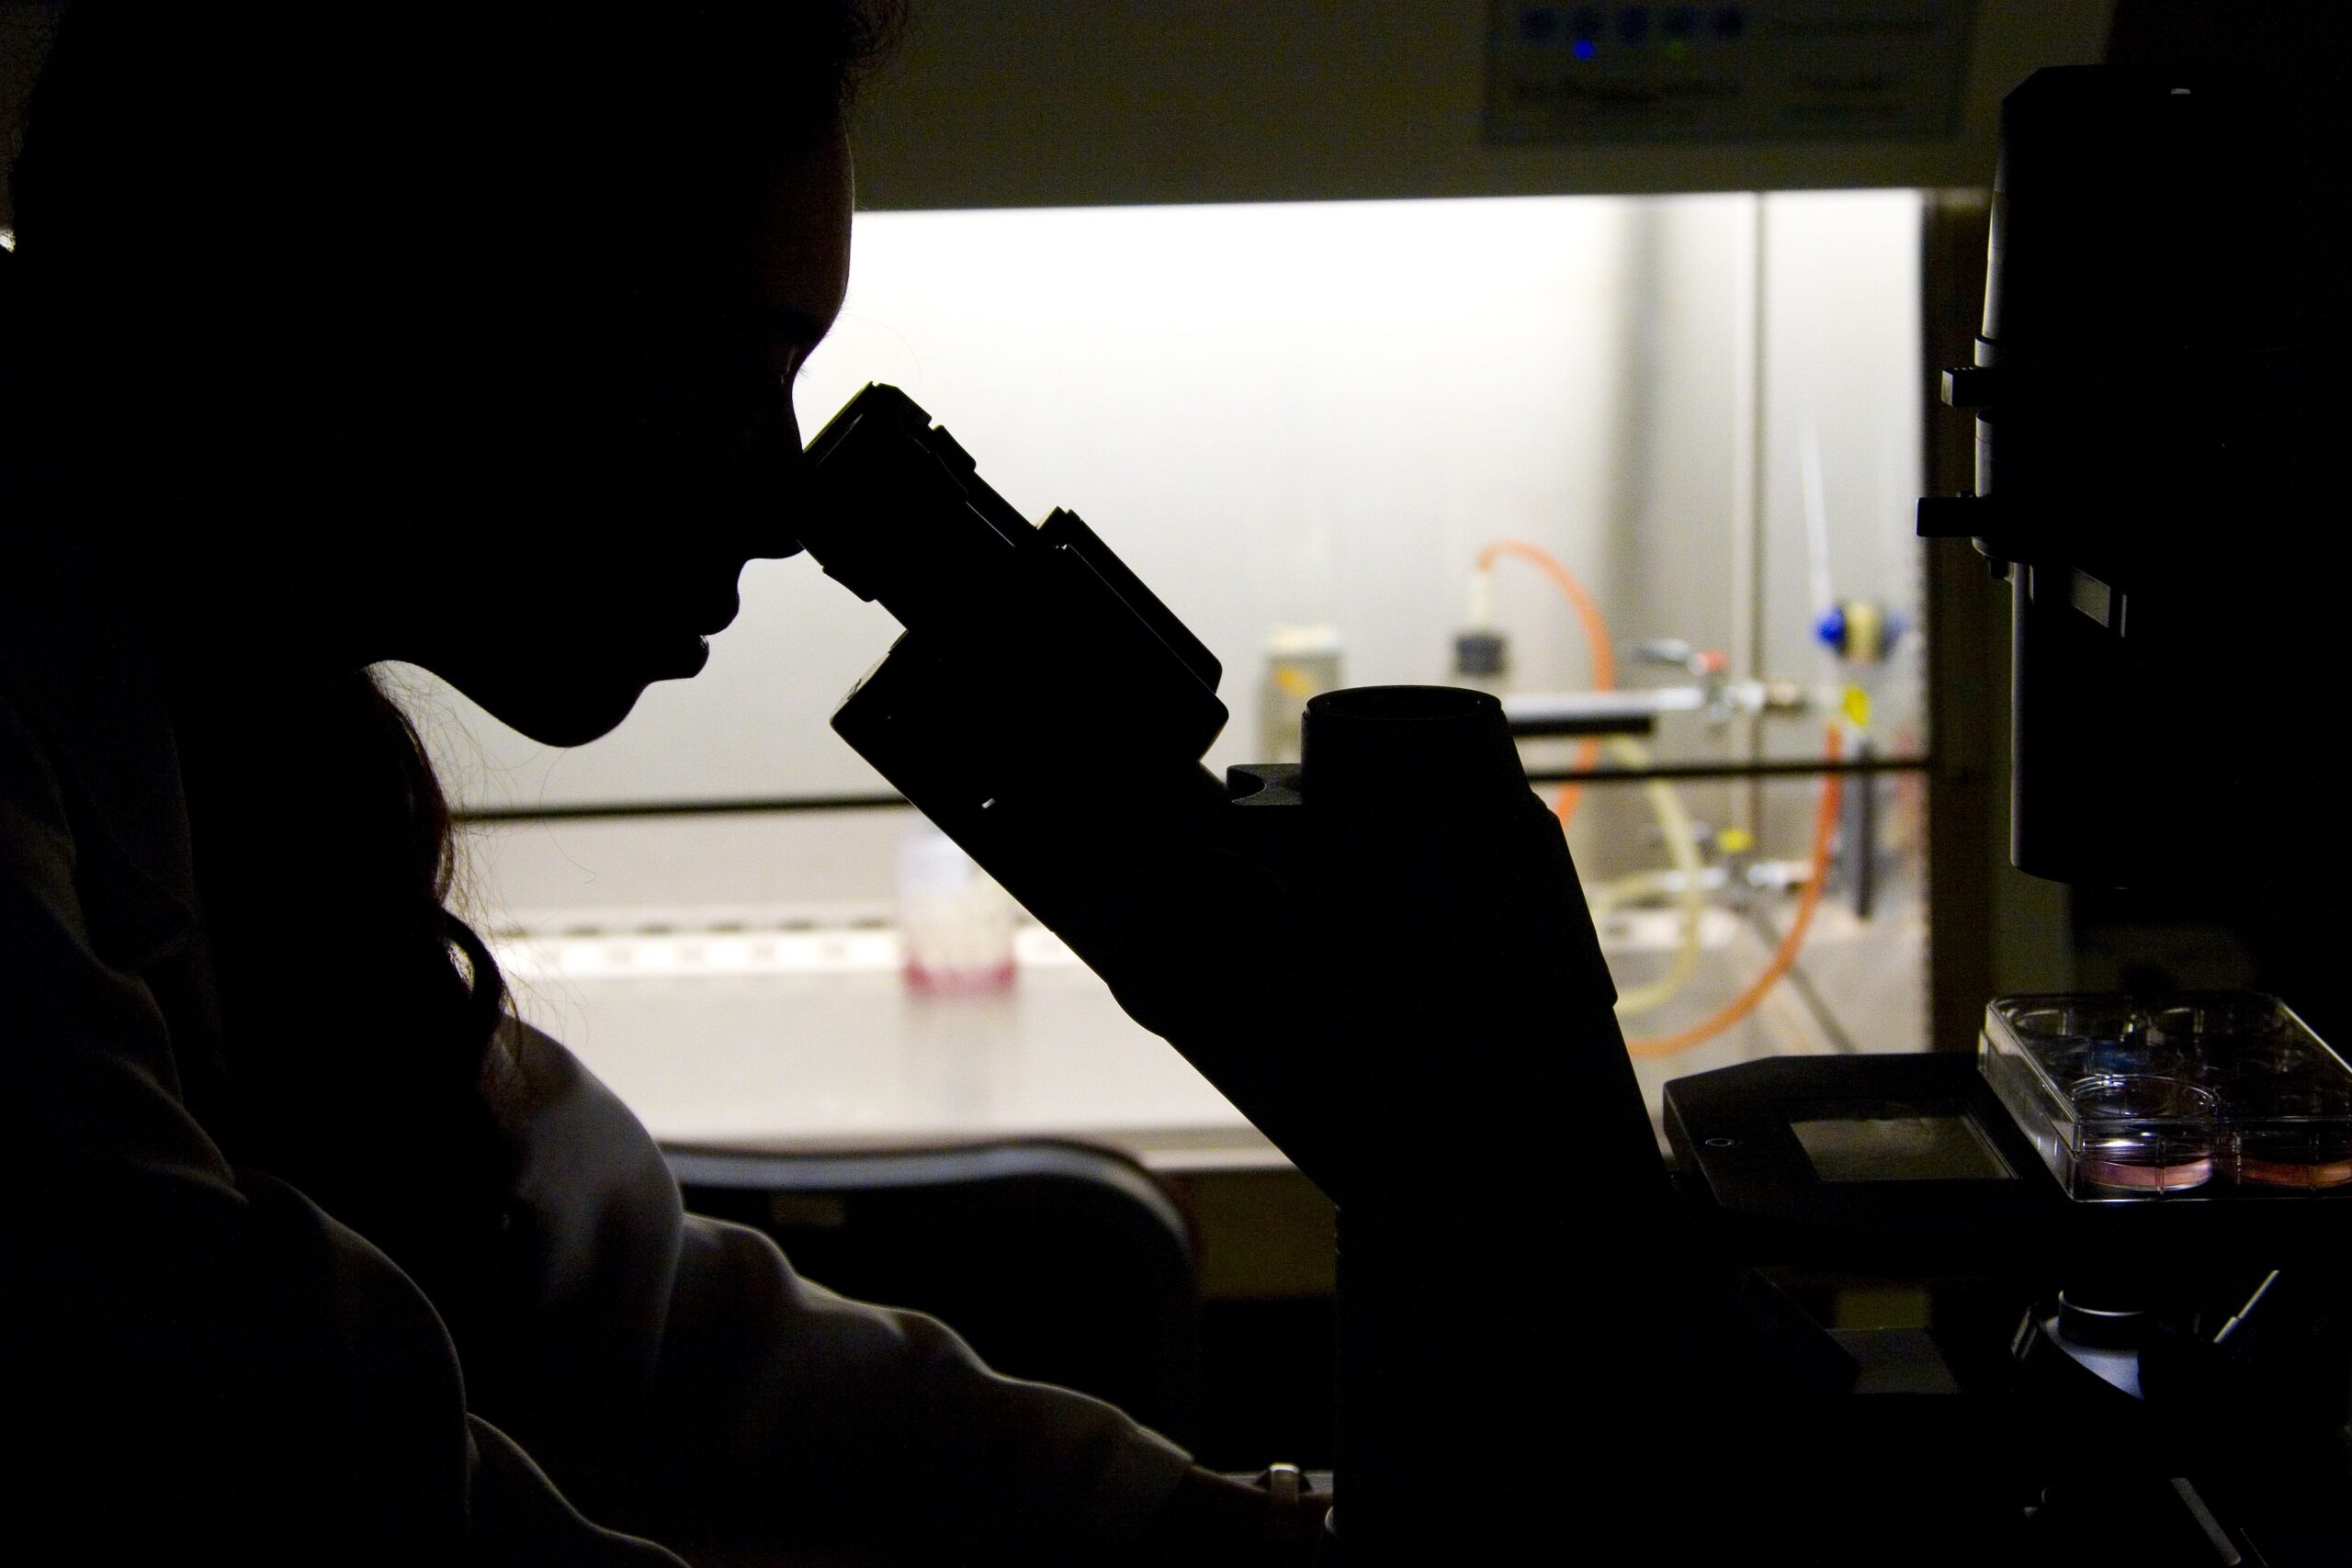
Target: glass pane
point(1681, 436)
point(1853, 978)
point(1303, 425)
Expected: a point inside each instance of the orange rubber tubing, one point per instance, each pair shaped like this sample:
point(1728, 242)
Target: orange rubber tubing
point(1824, 832)
point(1596, 631)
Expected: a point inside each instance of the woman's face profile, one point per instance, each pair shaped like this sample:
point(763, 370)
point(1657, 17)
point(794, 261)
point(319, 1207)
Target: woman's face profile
point(643, 448)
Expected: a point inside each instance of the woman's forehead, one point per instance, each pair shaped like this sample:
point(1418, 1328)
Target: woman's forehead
point(803, 239)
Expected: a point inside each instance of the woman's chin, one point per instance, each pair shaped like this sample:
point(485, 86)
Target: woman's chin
point(559, 702)
point(572, 718)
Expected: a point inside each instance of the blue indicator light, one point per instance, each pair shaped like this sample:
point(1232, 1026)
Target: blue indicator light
point(1583, 49)
point(1539, 24)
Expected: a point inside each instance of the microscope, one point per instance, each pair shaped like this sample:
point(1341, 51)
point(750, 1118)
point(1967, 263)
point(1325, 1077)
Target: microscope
point(2132, 1208)
point(1550, 1346)
point(1381, 955)
point(2144, 1194)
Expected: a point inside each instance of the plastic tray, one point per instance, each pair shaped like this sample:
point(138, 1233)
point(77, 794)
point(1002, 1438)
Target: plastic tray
point(2206, 1096)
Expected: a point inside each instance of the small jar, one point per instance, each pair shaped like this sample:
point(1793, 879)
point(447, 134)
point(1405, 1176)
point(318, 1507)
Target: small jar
point(955, 923)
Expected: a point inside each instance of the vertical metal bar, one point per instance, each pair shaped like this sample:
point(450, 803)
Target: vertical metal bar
point(1748, 501)
point(1965, 629)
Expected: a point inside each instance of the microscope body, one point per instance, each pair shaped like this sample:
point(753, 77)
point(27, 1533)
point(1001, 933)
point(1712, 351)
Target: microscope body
point(2157, 432)
point(2156, 426)
point(1381, 956)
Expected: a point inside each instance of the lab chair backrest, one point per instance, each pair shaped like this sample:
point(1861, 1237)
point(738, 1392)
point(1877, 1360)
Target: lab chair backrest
point(1059, 1262)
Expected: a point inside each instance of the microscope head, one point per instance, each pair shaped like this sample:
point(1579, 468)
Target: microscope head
point(2147, 422)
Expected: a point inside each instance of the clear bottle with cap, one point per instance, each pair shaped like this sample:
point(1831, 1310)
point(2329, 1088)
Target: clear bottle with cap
point(956, 925)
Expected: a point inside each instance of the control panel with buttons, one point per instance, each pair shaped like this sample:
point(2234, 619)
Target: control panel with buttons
point(1726, 71)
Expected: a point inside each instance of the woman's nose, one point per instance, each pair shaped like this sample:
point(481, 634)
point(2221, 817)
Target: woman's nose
point(771, 487)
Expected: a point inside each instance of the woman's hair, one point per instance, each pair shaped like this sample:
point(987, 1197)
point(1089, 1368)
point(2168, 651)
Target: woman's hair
point(239, 174)
point(358, 1013)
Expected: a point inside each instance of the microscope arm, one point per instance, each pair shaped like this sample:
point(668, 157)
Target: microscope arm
point(1383, 957)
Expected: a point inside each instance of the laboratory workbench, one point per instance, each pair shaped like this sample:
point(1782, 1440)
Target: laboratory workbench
point(806, 1042)
point(736, 979)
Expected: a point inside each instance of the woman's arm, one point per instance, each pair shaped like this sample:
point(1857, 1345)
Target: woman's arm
point(773, 1415)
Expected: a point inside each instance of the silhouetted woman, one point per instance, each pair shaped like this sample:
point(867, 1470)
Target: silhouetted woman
point(459, 335)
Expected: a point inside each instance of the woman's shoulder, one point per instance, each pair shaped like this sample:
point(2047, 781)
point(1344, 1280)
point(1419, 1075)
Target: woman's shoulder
point(544, 1094)
point(593, 1197)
